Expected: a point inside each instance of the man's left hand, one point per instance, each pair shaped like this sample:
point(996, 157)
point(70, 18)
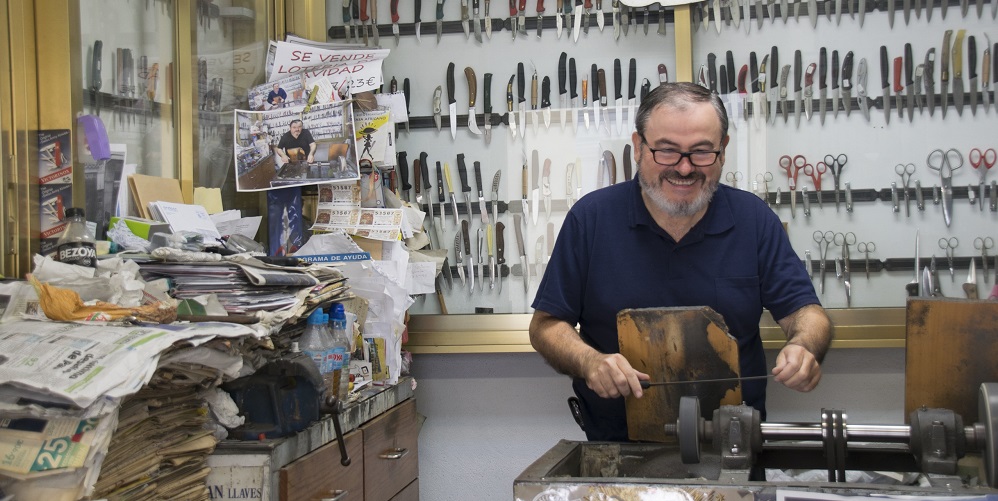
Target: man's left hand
point(311, 158)
point(796, 368)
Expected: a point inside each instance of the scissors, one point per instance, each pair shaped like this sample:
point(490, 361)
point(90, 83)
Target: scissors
point(866, 248)
point(793, 167)
point(905, 171)
point(765, 179)
point(945, 162)
point(815, 172)
point(948, 245)
point(835, 165)
point(844, 240)
point(986, 159)
point(983, 244)
point(733, 178)
point(824, 241)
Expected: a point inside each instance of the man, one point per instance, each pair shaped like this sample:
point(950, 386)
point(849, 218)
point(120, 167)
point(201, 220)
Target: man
point(297, 141)
point(673, 237)
point(277, 96)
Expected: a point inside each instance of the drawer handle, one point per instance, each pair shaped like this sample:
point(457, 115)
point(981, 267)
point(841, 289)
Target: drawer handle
point(338, 495)
point(393, 454)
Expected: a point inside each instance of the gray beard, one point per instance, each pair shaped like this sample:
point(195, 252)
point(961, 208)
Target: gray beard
point(677, 209)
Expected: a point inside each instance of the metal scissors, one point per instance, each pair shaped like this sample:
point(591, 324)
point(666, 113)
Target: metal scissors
point(815, 172)
point(733, 178)
point(793, 167)
point(948, 245)
point(866, 248)
point(945, 162)
point(764, 179)
point(824, 241)
point(835, 165)
point(983, 244)
point(844, 240)
point(905, 171)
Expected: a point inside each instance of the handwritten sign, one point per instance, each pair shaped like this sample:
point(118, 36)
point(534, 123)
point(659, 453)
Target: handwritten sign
point(360, 69)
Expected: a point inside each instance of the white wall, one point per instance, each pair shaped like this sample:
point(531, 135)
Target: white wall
point(489, 416)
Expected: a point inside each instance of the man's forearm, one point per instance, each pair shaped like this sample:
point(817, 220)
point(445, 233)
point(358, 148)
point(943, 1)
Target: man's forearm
point(810, 328)
point(560, 345)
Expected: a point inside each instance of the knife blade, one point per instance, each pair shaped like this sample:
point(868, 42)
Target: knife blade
point(885, 82)
point(562, 88)
point(440, 19)
point(488, 20)
point(754, 77)
point(958, 71)
point(577, 21)
point(509, 106)
point(476, 20)
point(919, 100)
point(487, 107)
point(450, 187)
point(540, 17)
point(603, 99)
point(364, 18)
point(618, 96)
point(559, 18)
point(524, 266)
point(928, 79)
point(512, 18)
point(462, 172)
point(784, 77)
point(862, 11)
point(535, 188)
point(594, 83)
point(972, 73)
point(798, 90)
point(521, 17)
point(546, 188)
point(465, 234)
point(451, 101)
point(393, 8)
point(909, 81)
point(861, 93)
point(615, 14)
point(417, 21)
point(759, 13)
point(944, 73)
point(347, 20)
point(469, 73)
point(906, 7)
point(482, 208)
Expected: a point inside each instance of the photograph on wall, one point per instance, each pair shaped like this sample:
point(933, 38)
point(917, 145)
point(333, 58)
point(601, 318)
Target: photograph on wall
point(291, 147)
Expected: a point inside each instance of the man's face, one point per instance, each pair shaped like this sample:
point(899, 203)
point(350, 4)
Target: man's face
point(682, 190)
point(277, 87)
point(296, 130)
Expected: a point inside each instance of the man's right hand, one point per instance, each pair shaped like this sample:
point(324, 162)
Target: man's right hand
point(611, 376)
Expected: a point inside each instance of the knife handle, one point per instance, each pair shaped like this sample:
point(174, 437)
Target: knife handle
point(585, 91)
point(363, 11)
point(897, 74)
point(742, 79)
point(601, 75)
point(632, 77)
point(958, 54)
point(774, 61)
point(822, 68)
point(523, 5)
point(835, 69)
point(509, 94)
point(472, 85)
point(521, 82)
point(424, 167)
point(487, 83)
point(944, 56)
point(562, 67)
point(525, 177)
point(403, 166)
point(467, 237)
point(416, 178)
point(440, 10)
point(393, 7)
point(909, 66)
point(754, 69)
point(445, 172)
point(712, 71)
point(462, 170)
point(546, 92)
point(884, 68)
point(971, 57)
point(478, 177)
point(500, 243)
point(798, 69)
point(994, 64)
point(450, 83)
point(970, 289)
point(847, 71)
point(588, 5)
point(533, 91)
point(417, 7)
point(573, 79)
point(663, 73)
point(724, 79)
point(512, 8)
point(618, 78)
point(540, 7)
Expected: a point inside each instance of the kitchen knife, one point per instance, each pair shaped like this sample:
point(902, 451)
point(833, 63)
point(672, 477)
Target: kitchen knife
point(469, 73)
point(885, 82)
point(462, 172)
point(909, 81)
point(451, 102)
point(487, 107)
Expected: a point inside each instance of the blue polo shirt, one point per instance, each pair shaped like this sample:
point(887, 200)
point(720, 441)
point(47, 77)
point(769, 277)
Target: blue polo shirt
point(611, 255)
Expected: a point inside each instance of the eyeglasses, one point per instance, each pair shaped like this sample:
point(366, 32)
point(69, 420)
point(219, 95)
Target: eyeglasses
point(671, 158)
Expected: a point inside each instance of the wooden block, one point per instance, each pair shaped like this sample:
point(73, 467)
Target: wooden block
point(950, 351)
point(677, 344)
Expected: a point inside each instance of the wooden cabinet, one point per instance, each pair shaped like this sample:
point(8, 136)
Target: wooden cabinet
point(383, 463)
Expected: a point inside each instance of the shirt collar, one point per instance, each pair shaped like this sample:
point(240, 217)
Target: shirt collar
point(716, 220)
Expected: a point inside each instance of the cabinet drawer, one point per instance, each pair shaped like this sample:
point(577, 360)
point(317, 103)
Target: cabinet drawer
point(316, 475)
point(410, 493)
point(390, 455)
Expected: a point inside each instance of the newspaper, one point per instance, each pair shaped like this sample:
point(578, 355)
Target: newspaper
point(78, 364)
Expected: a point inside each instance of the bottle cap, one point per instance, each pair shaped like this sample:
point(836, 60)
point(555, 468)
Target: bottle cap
point(75, 211)
point(316, 318)
point(337, 311)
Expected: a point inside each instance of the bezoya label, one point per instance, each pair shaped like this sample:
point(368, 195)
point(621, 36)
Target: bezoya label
point(78, 253)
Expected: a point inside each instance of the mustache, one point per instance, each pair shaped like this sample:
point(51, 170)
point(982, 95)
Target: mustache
point(676, 176)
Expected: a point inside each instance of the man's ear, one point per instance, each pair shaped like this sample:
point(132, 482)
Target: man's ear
point(724, 141)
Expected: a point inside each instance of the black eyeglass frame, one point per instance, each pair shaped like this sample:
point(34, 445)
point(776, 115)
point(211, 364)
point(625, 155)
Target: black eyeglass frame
point(682, 154)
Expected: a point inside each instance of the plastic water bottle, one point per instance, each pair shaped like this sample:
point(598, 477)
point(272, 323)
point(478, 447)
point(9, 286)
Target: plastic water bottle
point(341, 350)
point(76, 244)
point(317, 343)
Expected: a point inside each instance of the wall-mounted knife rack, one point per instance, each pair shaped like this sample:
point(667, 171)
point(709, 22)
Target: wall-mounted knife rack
point(858, 265)
point(848, 6)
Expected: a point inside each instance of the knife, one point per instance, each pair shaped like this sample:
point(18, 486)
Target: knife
point(540, 17)
point(424, 168)
point(919, 99)
point(488, 20)
point(465, 20)
point(928, 79)
point(417, 6)
point(562, 88)
point(492, 257)
point(509, 106)
point(600, 20)
point(909, 81)
point(835, 84)
point(521, 17)
point(481, 259)
point(419, 173)
point(774, 83)
point(364, 18)
point(525, 188)
point(594, 83)
point(535, 188)
point(809, 93)
point(559, 18)
point(451, 102)
point(440, 19)
point(436, 107)
point(546, 101)
point(546, 188)
point(970, 286)
point(958, 71)
point(512, 18)
point(495, 195)
point(763, 112)
point(577, 21)
point(500, 252)
point(972, 73)
point(521, 87)
point(986, 75)
point(885, 82)
point(472, 94)
point(533, 100)
point(861, 93)
point(822, 83)
point(573, 94)
point(862, 11)
point(450, 188)
point(615, 14)
point(487, 107)
point(754, 76)
point(476, 19)
point(406, 93)
point(347, 21)
point(601, 75)
point(944, 69)
point(471, 257)
point(585, 103)
point(618, 101)
point(632, 79)
point(798, 90)
point(459, 253)
point(732, 96)
point(898, 89)
point(524, 266)
point(784, 76)
point(462, 172)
